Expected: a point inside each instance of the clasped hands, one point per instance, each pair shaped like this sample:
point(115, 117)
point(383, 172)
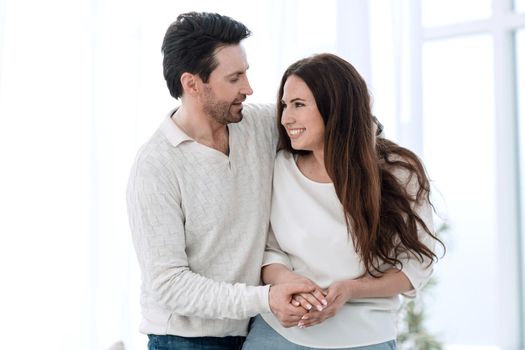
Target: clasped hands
point(302, 303)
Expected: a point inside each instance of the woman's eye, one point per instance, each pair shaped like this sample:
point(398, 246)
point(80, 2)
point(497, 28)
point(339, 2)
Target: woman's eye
point(299, 104)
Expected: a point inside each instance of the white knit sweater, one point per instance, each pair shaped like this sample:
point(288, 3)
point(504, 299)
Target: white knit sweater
point(199, 222)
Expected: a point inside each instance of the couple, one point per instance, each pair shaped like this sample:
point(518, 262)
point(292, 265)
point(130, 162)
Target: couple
point(336, 225)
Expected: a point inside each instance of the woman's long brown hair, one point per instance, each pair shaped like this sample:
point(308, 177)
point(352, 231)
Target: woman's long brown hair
point(380, 212)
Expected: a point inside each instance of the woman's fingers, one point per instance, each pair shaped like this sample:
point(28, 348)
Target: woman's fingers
point(299, 300)
point(321, 296)
point(310, 319)
point(312, 301)
point(315, 317)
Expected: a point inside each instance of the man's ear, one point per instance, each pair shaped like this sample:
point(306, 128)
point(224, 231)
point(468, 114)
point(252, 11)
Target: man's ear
point(190, 83)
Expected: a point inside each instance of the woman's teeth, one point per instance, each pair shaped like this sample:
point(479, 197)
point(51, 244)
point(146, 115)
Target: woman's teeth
point(296, 131)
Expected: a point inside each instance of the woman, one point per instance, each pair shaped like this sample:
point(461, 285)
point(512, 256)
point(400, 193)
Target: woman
point(350, 212)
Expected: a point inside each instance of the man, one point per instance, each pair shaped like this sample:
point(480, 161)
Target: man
point(199, 196)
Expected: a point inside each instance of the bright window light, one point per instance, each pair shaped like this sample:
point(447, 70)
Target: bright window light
point(459, 149)
point(443, 12)
point(519, 5)
point(520, 59)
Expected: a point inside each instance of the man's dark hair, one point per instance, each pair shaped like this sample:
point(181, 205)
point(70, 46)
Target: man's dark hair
point(190, 43)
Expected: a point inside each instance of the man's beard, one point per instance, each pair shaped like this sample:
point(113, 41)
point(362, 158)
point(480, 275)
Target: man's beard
point(220, 110)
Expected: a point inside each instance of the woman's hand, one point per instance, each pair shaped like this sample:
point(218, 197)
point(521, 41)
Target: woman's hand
point(392, 282)
point(311, 301)
point(336, 296)
point(276, 274)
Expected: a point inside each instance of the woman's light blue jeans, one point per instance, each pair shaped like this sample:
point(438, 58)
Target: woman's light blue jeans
point(263, 337)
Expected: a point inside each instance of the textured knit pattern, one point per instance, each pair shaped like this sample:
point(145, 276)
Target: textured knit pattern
point(199, 222)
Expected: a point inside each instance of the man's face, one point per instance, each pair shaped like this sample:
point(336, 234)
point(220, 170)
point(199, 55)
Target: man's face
point(227, 86)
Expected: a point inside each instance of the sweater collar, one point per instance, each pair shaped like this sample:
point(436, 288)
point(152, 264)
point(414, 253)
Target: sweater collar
point(173, 133)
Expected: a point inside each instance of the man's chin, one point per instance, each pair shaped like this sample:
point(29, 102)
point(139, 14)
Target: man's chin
point(236, 116)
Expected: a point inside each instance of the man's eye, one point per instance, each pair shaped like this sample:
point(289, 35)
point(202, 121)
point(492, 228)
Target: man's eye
point(234, 80)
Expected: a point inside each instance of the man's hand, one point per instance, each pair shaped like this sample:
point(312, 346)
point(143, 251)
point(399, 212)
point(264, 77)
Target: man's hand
point(337, 295)
point(280, 300)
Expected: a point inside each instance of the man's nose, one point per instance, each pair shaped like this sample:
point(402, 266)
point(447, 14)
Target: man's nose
point(247, 89)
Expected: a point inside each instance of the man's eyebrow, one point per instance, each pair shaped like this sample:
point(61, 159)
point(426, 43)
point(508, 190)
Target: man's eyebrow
point(239, 72)
point(234, 74)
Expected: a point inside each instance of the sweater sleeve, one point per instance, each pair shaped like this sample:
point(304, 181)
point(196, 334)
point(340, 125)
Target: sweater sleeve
point(266, 119)
point(157, 225)
point(418, 272)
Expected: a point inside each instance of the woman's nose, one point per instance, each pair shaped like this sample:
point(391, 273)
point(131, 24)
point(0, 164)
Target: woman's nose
point(287, 117)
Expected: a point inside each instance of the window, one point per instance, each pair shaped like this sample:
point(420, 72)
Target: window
point(519, 5)
point(520, 59)
point(459, 150)
point(451, 67)
point(443, 12)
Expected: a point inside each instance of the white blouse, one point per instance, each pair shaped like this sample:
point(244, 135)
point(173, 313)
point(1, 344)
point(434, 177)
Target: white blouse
point(309, 235)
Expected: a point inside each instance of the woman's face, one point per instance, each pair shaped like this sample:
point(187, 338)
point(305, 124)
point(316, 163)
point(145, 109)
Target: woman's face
point(301, 118)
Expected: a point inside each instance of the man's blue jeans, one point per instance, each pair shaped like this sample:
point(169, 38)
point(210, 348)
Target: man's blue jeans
point(172, 342)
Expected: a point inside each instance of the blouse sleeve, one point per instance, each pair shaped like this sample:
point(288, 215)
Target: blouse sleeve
point(273, 253)
point(417, 271)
